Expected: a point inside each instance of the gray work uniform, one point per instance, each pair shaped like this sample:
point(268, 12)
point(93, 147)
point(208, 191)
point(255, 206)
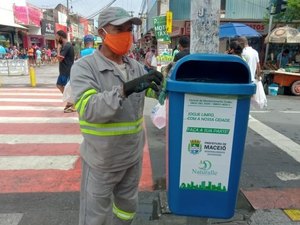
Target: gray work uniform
point(112, 127)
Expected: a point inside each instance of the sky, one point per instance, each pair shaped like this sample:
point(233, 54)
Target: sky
point(88, 7)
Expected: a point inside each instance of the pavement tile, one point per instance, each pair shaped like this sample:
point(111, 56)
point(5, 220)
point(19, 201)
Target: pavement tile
point(271, 217)
point(271, 198)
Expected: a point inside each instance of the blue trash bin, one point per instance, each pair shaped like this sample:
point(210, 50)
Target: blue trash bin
point(208, 112)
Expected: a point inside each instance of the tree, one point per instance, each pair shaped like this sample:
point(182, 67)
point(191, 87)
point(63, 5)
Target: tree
point(291, 13)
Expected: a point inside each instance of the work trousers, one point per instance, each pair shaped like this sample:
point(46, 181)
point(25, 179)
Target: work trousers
point(108, 198)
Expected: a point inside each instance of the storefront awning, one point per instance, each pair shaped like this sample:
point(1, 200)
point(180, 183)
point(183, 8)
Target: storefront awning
point(13, 25)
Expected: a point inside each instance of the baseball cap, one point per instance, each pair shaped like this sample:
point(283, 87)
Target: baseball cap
point(88, 38)
point(116, 16)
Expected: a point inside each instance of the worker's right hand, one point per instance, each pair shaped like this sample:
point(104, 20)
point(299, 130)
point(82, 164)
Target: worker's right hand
point(150, 80)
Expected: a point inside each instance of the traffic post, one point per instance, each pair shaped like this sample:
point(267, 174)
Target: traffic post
point(208, 111)
point(32, 76)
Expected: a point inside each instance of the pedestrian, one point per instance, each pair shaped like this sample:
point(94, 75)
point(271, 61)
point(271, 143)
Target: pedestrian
point(88, 45)
point(34, 46)
point(148, 58)
point(283, 58)
point(65, 56)
point(48, 53)
point(175, 51)
point(53, 55)
point(109, 89)
point(30, 54)
point(183, 47)
point(88, 49)
point(251, 57)
point(15, 52)
point(235, 48)
point(38, 56)
point(23, 54)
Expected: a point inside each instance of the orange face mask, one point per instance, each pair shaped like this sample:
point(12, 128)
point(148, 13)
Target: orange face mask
point(119, 43)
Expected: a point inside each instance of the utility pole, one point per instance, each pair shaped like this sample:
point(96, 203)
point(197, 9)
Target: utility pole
point(268, 45)
point(276, 6)
point(205, 20)
point(271, 11)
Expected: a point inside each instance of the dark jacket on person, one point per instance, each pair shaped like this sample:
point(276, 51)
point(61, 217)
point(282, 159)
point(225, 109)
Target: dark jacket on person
point(181, 54)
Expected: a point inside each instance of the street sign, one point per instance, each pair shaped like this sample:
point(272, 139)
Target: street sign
point(160, 29)
point(169, 24)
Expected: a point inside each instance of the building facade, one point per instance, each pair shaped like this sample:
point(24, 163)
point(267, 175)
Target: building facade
point(23, 24)
point(251, 12)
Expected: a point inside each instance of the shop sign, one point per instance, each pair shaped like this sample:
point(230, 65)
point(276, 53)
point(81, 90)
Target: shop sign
point(259, 27)
point(85, 23)
point(27, 15)
point(35, 16)
point(21, 15)
point(74, 28)
point(169, 16)
point(47, 27)
point(60, 27)
point(160, 29)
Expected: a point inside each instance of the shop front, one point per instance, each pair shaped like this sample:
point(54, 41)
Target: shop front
point(30, 40)
point(10, 35)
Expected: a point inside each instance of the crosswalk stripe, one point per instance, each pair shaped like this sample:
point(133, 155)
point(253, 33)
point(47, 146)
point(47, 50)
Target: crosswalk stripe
point(279, 140)
point(39, 139)
point(65, 162)
point(261, 111)
point(31, 94)
point(31, 108)
point(15, 90)
point(290, 112)
point(30, 100)
point(39, 119)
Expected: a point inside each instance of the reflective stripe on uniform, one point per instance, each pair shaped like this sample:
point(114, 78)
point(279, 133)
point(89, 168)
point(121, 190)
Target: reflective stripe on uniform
point(111, 129)
point(83, 101)
point(122, 214)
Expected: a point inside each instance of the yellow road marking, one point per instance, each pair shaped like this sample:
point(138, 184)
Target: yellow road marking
point(294, 214)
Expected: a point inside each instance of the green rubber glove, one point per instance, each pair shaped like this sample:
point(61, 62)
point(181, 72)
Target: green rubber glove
point(150, 80)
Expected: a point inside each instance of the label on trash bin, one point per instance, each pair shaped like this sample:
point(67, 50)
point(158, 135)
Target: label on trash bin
point(207, 137)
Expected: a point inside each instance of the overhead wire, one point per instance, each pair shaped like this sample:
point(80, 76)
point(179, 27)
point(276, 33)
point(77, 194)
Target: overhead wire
point(85, 9)
point(142, 7)
point(99, 11)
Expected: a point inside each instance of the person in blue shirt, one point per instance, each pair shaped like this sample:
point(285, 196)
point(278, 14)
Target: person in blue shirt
point(88, 45)
point(283, 58)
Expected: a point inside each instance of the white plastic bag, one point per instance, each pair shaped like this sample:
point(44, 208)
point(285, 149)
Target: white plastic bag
point(259, 99)
point(67, 95)
point(158, 115)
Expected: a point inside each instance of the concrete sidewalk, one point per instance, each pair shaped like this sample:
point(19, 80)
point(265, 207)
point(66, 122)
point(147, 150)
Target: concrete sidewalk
point(62, 209)
point(244, 214)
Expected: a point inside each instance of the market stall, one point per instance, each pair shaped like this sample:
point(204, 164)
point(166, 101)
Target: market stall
point(288, 77)
point(288, 81)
